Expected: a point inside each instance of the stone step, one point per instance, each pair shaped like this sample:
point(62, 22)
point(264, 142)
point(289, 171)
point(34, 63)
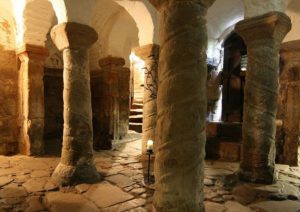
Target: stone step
point(136, 112)
point(136, 119)
point(137, 105)
point(137, 127)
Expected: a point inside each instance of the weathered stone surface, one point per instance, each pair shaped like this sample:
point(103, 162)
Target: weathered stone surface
point(81, 188)
point(110, 100)
point(262, 35)
point(149, 54)
point(76, 165)
point(8, 102)
point(181, 105)
point(131, 205)
point(31, 89)
point(58, 201)
point(5, 180)
point(33, 164)
point(138, 191)
point(244, 194)
point(105, 195)
point(214, 207)
point(40, 184)
point(12, 191)
point(277, 206)
point(34, 204)
point(120, 180)
point(288, 101)
point(236, 207)
point(40, 173)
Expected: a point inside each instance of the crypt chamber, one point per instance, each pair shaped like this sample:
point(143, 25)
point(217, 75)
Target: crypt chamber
point(149, 105)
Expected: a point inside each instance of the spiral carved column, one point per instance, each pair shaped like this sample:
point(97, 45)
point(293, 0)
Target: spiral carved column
point(149, 54)
point(263, 36)
point(76, 164)
point(181, 106)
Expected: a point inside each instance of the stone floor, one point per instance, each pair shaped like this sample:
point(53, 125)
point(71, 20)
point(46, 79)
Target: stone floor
point(26, 185)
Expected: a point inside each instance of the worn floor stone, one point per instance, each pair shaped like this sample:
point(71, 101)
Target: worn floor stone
point(5, 180)
point(214, 207)
point(12, 191)
point(277, 206)
point(34, 204)
point(130, 205)
point(105, 194)
point(29, 188)
point(60, 202)
point(120, 180)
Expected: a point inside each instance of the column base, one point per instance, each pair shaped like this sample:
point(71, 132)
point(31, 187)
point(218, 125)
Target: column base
point(265, 175)
point(83, 173)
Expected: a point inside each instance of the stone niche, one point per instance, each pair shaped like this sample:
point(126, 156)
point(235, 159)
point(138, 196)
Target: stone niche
point(9, 126)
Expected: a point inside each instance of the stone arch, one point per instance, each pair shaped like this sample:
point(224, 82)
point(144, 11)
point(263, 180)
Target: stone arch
point(117, 31)
point(33, 26)
point(146, 18)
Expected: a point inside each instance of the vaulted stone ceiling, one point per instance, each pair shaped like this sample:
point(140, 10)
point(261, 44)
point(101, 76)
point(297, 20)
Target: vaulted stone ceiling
point(121, 24)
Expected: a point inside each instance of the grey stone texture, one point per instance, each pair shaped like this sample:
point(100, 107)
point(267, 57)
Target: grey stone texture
point(76, 163)
point(288, 101)
point(150, 55)
point(181, 106)
point(262, 35)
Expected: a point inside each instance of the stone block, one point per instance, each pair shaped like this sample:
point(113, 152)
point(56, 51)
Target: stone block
point(229, 151)
point(212, 129)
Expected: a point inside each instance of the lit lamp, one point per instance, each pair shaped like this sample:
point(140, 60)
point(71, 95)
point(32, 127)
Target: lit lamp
point(149, 151)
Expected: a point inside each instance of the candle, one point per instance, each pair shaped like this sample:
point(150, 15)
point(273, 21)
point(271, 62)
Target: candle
point(149, 145)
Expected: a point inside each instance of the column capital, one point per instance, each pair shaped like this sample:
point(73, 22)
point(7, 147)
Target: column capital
point(147, 51)
point(108, 61)
point(158, 4)
point(270, 25)
point(29, 51)
point(73, 35)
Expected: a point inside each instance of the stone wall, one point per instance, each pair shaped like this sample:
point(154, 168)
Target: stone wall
point(9, 129)
point(53, 82)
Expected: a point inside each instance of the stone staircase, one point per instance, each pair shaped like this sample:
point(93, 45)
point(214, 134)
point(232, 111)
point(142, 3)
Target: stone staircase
point(136, 116)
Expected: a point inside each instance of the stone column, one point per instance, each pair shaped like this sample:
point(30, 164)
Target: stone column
point(149, 54)
point(124, 101)
point(181, 106)
point(262, 35)
point(31, 91)
point(108, 116)
point(290, 94)
point(76, 163)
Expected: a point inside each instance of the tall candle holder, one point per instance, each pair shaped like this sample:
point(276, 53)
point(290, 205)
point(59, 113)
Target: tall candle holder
point(150, 152)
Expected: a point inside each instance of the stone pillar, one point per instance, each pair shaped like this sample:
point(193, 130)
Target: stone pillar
point(31, 91)
point(76, 163)
point(290, 104)
point(262, 35)
point(181, 106)
point(149, 54)
point(110, 101)
point(124, 101)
